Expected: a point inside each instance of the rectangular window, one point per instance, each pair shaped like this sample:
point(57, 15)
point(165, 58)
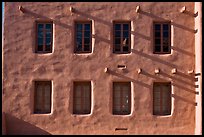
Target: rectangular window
point(162, 37)
point(42, 97)
point(82, 98)
point(161, 98)
point(121, 98)
point(44, 37)
point(121, 37)
point(83, 37)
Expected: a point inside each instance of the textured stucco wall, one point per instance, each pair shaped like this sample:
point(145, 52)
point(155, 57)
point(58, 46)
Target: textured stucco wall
point(21, 66)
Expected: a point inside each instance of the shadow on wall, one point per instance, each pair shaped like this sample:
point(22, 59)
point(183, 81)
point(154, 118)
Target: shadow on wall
point(16, 126)
point(35, 15)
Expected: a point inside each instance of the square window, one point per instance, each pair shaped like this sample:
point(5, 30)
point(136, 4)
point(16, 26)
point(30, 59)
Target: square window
point(42, 97)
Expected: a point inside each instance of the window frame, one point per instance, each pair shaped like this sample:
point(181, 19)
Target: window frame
point(75, 36)
point(44, 37)
point(161, 36)
point(82, 111)
point(169, 101)
point(129, 98)
point(121, 22)
point(35, 96)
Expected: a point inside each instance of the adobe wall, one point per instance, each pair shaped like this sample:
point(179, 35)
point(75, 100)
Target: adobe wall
point(21, 66)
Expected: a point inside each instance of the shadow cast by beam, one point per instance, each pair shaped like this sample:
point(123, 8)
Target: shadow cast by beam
point(140, 35)
point(128, 78)
point(16, 126)
point(154, 58)
point(156, 77)
point(190, 76)
point(172, 23)
point(92, 17)
point(99, 38)
point(191, 14)
point(183, 51)
point(178, 80)
point(183, 99)
point(38, 16)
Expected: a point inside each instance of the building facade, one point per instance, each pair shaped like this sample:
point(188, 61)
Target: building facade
point(102, 68)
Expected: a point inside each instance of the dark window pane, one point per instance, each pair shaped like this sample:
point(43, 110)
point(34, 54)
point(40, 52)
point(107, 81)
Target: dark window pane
point(157, 26)
point(165, 27)
point(165, 41)
point(48, 26)
point(125, 27)
point(87, 34)
point(157, 34)
point(40, 41)
point(117, 47)
point(117, 40)
point(165, 34)
point(125, 34)
point(125, 48)
point(86, 47)
point(87, 27)
point(165, 48)
point(40, 26)
point(79, 27)
point(117, 27)
point(48, 41)
point(48, 34)
point(79, 46)
point(79, 34)
point(86, 40)
point(48, 48)
point(40, 34)
point(117, 33)
point(157, 48)
point(40, 47)
point(157, 41)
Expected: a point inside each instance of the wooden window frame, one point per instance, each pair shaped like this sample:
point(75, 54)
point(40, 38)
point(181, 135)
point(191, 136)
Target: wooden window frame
point(121, 97)
point(161, 36)
point(75, 36)
point(162, 113)
point(35, 96)
point(121, 38)
point(82, 111)
point(44, 37)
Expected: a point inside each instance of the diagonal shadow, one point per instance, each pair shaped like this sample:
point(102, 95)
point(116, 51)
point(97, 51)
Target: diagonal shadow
point(172, 23)
point(16, 126)
point(153, 58)
point(173, 83)
point(184, 99)
point(177, 79)
point(128, 78)
point(183, 51)
point(99, 38)
point(92, 17)
point(190, 77)
point(35, 15)
point(140, 35)
point(191, 14)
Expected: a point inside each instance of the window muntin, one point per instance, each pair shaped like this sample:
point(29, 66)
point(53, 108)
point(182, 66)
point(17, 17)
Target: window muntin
point(162, 98)
point(44, 37)
point(121, 37)
point(82, 98)
point(121, 98)
point(162, 37)
point(42, 97)
point(83, 37)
